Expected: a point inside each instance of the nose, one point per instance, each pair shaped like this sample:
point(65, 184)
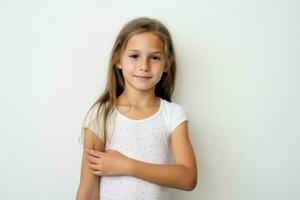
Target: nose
point(144, 65)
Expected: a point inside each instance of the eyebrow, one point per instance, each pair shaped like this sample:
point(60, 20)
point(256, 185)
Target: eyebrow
point(150, 52)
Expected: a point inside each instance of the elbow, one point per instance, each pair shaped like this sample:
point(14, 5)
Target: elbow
point(191, 186)
point(188, 179)
point(190, 183)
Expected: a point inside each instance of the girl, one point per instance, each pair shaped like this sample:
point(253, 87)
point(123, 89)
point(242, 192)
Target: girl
point(134, 128)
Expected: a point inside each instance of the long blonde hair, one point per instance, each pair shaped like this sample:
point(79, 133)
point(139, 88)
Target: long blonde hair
point(115, 84)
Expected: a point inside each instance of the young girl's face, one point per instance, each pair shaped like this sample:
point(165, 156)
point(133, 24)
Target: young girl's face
point(143, 61)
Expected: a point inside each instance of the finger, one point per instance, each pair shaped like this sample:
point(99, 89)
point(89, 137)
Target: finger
point(96, 173)
point(91, 159)
point(93, 166)
point(88, 151)
point(91, 153)
point(94, 153)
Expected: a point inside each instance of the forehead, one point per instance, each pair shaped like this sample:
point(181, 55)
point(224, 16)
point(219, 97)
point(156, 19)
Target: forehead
point(145, 42)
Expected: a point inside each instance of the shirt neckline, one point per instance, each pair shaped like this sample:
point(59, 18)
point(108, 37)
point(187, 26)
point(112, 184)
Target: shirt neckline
point(143, 119)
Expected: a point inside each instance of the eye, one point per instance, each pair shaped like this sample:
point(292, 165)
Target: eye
point(156, 58)
point(133, 56)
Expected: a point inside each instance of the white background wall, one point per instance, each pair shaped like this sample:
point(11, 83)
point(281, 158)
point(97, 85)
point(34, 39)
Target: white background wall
point(238, 79)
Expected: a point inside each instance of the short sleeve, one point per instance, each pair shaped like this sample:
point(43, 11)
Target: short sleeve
point(93, 123)
point(178, 115)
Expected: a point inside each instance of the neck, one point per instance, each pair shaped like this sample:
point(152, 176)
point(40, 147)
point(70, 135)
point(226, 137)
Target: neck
point(138, 100)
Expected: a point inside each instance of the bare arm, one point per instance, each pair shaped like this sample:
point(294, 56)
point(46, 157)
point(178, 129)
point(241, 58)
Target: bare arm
point(181, 175)
point(89, 183)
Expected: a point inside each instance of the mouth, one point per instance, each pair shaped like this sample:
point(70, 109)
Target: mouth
point(143, 77)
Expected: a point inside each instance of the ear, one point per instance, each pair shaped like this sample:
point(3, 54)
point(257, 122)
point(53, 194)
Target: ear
point(118, 65)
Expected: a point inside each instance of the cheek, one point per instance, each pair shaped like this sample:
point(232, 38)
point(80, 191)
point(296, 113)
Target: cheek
point(128, 69)
point(128, 63)
point(158, 66)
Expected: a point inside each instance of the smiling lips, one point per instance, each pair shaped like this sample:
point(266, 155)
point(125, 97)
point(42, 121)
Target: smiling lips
point(143, 77)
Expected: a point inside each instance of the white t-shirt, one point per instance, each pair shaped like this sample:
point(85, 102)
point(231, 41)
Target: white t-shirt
point(146, 140)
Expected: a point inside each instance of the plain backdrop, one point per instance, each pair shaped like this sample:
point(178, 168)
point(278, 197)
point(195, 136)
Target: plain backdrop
point(238, 79)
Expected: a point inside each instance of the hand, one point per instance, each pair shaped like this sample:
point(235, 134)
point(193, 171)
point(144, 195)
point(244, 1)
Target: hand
point(109, 163)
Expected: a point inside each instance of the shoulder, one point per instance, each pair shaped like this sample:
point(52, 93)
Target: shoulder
point(174, 113)
point(96, 112)
point(94, 120)
point(173, 107)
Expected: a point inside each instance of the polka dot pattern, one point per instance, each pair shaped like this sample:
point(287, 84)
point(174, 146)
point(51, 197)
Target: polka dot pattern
point(146, 140)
